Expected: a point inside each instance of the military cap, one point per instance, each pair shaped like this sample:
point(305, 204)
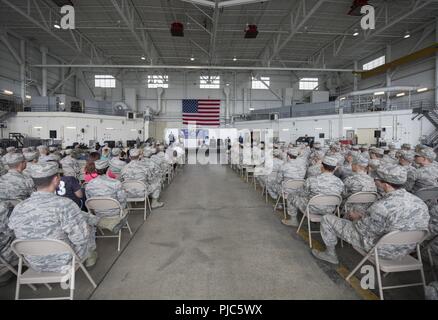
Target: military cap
point(134, 152)
point(116, 166)
point(365, 147)
point(391, 146)
point(427, 153)
point(29, 156)
point(24, 150)
point(374, 163)
point(50, 158)
point(101, 164)
point(378, 151)
point(53, 149)
point(293, 152)
point(330, 161)
point(68, 171)
point(407, 155)
point(68, 151)
point(355, 147)
point(276, 152)
point(336, 147)
point(392, 174)
point(116, 152)
point(43, 170)
point(317, 145)
point(13, 158)
point(406, 146)
point(42, 147)
point(360, 161)
point(10, 149)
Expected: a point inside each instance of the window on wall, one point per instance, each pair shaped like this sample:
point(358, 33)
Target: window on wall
point(374, 64)
point(260, 84)
point(104, 81)
point(309, 83)
point(209, 82)
point(158, 81)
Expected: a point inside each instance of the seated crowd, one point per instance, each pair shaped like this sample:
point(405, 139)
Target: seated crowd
point(395, 175)
point(43, 192)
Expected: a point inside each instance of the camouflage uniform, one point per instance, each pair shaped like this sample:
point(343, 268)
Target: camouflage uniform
point(135, 170)
point(154, 183)
point(324, 184)
point(6, 235)
point(344, 171)
point(3, 170)
point(271, 178)
point(291, 170)
point(358, 182)
point(314, 170)
point(72, 163)
point(397, 210)
point(425, 176)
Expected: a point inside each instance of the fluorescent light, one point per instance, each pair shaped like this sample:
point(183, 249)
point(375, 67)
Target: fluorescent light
point(133, 129)
point(251, 109)
point(407, 35)
point(348, 128)
point(73, 128)
point(402, 94)
point(143, 58)
point(37, 127)
point(57, 26)
point(192, 58)
point(109, 128)
point(61, 103)
point(380, 93)
point(343, 98)
point(234, 59)
point(356, 33)
point(422, 89)
point(8, 92)
point(318, 128)
point(28, 97)
point(286, 129)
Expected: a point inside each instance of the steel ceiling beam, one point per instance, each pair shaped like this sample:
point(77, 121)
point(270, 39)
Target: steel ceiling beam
point(136, 66)
point(214, 33)
point(127, 13)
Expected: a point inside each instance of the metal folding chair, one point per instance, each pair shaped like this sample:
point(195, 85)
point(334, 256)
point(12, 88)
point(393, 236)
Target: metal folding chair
point(135, 184)
point(288, 185)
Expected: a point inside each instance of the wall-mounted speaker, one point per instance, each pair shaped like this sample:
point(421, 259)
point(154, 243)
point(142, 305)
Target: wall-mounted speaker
point(377, 133)
point(52, 134)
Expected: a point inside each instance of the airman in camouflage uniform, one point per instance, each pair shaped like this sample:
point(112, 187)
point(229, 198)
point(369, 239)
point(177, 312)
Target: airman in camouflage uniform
point(156, 176)
point(406, 158)
point(104, 186)
point(324, 184)
point(360, 181)
point(345, 170)
point(14, 185)
point(72, 163)
point(47, 216)
point(396, 210)
point(43, 154)
point(31, 158)
point(271, 178)
point(427, 174)
point(6, 238)
point(137, 170)
point(293, 169)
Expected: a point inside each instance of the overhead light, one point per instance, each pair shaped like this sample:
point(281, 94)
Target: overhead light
point(28, 97)
point(143, 58)
point(422, 89)
point(37, 127)
point(61, 103)
point(356, 33)
point(56, 25)
point(343, 98)
point(348, 128)
point(192, 58)
point(8, 92)
point(133, 129)
point(407, 35)
point(227, 84)
point(318, 128)
point(109, 128)
point(402, 94)
point(251, 109)
point(72, 128)
point(286, 129)
point(234, 59)
point(380, 93)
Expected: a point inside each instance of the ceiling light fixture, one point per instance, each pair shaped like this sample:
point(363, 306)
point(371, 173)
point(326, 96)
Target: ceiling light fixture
point(234, 59)
point(192, 58)
point(401, 94)
point(8, 92)
point(143, 58)
point(251, 109)
point(422, 89)
point(380, 93)
point(407, 35)
point(56, 25)
point(356, 33)
point(28, 97)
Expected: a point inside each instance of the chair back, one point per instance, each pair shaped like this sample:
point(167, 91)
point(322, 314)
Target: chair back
point(40, 247)
point(102, 203)
point(430, 193)
point(403, 238)
point(133, 184)
point(325, 200)
point(293, 184)
point(362, 197)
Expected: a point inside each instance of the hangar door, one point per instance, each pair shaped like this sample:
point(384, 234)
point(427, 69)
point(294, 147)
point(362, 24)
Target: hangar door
point(366, 136)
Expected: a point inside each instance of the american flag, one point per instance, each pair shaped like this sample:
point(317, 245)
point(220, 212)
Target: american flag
point(201, 112)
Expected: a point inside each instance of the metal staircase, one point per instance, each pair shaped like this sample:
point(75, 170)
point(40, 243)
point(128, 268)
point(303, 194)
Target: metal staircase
point(18, 137)
point(430, 111)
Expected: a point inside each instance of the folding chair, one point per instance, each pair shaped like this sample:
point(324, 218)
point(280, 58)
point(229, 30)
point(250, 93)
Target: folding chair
point(407, 263)
point(103, 203)
point(12, 269)
point(135, 184)
point(44, 248)
point(319, 200)
point(288, 184)
point(362, 197)
point(249, 170)
point(428, 194)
